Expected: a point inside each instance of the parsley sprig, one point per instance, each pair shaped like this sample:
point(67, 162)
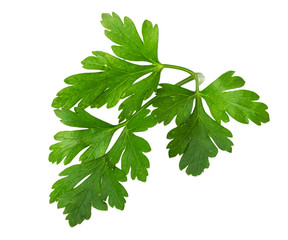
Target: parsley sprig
point(97, 180)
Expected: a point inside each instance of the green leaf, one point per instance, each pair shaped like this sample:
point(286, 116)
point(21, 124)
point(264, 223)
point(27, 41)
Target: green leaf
point(95, 138)
point(240, 104)
point(141, 121)
point(173, 101)
point(99, 88)
point(112, 189)
point(88, 185)
point(138, 92)
point(114, 82)
point(116, 77)
point(133, 146)
point(130, 45)
point(194, 138)
point(133, 157)
point(96, 181)
point(80, 118)
point(130, 148)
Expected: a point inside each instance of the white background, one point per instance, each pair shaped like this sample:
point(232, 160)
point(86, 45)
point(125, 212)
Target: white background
point(241, 196)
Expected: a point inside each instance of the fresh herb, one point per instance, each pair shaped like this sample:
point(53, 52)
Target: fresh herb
point(97, 179)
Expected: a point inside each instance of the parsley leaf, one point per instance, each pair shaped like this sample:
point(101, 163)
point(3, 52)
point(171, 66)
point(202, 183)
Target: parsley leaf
point(100, 88)
point(133, 157)
point(116, 78)
point(113, 82)
point(134, 146)
point(138, 92)
point(173, 101)
point(193, 140)
point(96, 181)
point(239, 104)
point(96, 137)
point(101, 182)
point(130, 45)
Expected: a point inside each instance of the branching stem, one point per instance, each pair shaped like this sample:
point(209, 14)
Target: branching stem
point(192, 76)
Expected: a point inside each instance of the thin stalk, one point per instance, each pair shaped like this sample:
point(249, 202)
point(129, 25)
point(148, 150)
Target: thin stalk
point(146, 105)
point(186, 80)
point(197, 83)
point(179, 68)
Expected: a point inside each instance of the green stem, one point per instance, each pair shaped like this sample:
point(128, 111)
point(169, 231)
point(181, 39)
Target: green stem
point(184, 81)
point(179, 68)
point(123, 124)
point(197, 94)
point(197, 83)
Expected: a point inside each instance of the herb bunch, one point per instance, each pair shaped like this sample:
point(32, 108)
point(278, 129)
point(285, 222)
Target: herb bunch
point(97, 180)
